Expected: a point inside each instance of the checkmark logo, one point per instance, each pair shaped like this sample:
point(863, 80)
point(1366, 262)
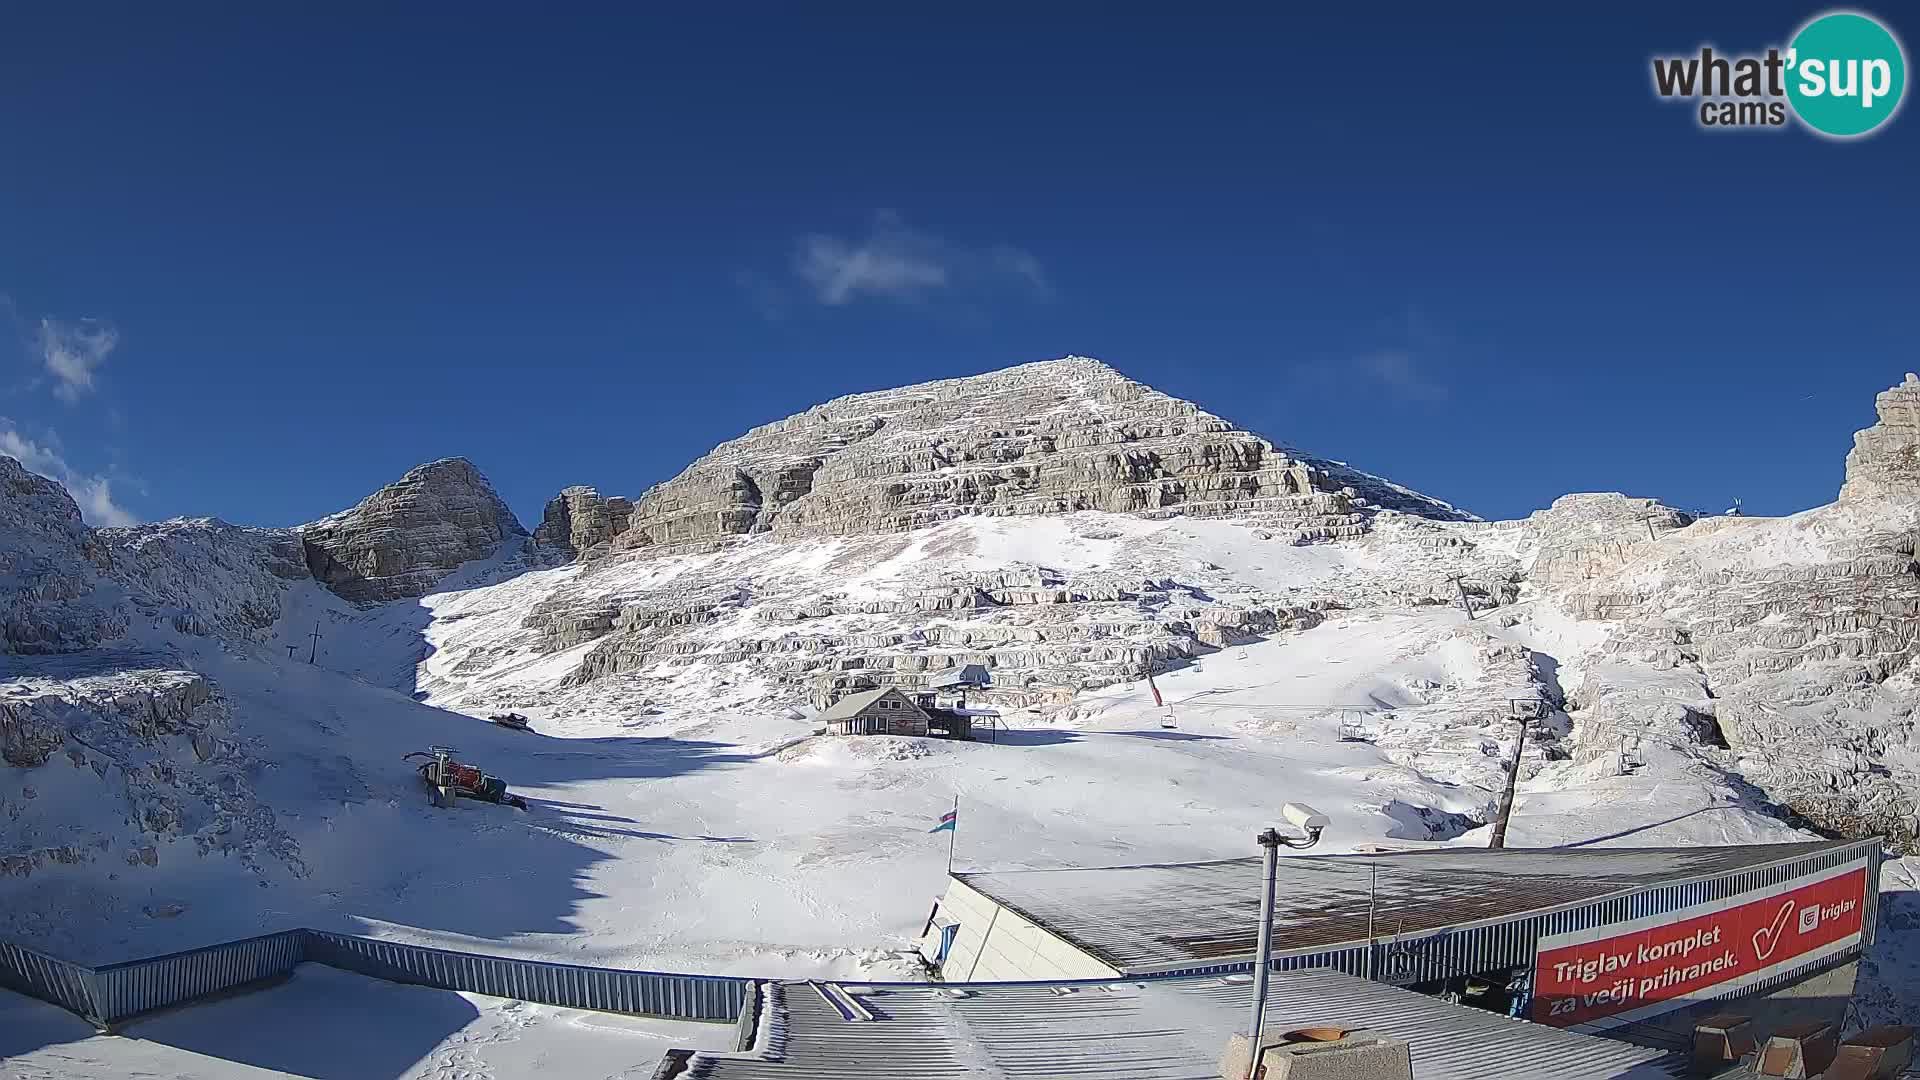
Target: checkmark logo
point(1767, 938)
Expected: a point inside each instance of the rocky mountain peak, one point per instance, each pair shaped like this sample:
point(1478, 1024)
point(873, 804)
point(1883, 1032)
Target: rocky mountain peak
point(51, 569)
point(401, 540)
point(38, 513)
point(1885, 459)
point(1050, 437)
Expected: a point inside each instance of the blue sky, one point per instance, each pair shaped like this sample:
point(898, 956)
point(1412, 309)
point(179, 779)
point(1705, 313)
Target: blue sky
point(258, 261)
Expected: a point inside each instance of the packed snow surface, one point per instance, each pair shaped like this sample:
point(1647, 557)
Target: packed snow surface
point(689, 827)
point(334, 1025)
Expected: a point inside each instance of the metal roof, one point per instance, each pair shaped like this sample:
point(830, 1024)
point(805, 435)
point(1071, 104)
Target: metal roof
point(971, 674)
point(1139, 919)
point(1171, 1029)
point(848, 707)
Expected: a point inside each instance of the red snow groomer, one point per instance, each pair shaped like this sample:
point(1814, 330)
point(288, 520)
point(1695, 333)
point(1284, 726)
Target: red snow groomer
point(448, 779)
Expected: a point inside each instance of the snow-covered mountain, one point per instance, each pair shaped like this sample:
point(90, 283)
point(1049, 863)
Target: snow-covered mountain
point(167, 741)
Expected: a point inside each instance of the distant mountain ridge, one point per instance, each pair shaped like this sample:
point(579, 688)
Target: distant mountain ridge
point(1051, 437)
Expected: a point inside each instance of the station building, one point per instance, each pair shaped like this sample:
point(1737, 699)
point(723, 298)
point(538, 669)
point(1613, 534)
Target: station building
point(1621, 940)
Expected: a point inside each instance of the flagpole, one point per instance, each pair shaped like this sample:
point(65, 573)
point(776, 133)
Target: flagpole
point(953, 834)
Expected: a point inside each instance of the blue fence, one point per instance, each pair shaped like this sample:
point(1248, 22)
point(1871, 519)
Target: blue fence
point(116, 992)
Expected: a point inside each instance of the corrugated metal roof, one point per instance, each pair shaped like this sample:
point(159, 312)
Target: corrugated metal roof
point(848, 707)
point(1168, 916)
point(1163, 1030)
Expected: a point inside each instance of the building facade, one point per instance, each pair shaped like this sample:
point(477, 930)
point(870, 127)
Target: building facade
point(885, 711)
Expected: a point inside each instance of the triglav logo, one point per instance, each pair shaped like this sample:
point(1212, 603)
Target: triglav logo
point(1843, 75)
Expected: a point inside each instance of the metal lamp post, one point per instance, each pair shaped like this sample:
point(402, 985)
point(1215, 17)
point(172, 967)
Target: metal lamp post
point(1313, 823)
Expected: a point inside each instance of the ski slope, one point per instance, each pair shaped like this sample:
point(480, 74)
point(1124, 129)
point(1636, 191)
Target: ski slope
point(737, 843)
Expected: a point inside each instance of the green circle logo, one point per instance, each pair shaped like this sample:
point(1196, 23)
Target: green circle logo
point(1845, 74)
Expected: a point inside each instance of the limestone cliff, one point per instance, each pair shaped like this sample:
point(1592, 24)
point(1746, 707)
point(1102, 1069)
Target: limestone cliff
point(401, 540)
point(1885, 459)
point(1044, 438)
point(1799, 634)
point(581, 523)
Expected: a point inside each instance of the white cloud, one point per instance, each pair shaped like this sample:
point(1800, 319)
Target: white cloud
point(891, 260)
point(94, 493)
point(73, 351)
point(895, 261)
point(1398, 371)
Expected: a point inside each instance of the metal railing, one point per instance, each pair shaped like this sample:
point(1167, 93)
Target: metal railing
point(648, 993)
point(48, 978)
point(139, 986)
point(113, 993)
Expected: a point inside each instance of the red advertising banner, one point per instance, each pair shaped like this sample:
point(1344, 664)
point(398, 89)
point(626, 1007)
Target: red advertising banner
point(1591, 975)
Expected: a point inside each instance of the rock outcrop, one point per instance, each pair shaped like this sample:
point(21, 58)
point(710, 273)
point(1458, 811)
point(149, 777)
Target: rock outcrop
point(1800, 634)
point(1805, 668)
point(401, 540)
point(206, 577)
point(1589, 535)
point(1043, 438)
point(1885, 459)
point(581, 523)
point(158, 742)
point(54, 593)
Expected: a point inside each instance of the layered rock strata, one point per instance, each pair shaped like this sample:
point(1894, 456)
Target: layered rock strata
point(1044, 438)
point(401, 540)
point(582, 524)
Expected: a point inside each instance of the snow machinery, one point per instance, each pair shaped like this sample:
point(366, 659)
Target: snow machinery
point(448, 779)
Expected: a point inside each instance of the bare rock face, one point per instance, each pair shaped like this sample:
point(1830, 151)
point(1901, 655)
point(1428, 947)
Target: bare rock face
point(1809, 660)
point(404, 538)
point(54, 593)
point(769, 532)
point(581, 523)
point(1045, 438)
point(1589, 535)
point(1803, 632)
point(1885, 459)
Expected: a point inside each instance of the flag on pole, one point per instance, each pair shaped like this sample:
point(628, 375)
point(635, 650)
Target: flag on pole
point(949, 821)
point(1157, 703)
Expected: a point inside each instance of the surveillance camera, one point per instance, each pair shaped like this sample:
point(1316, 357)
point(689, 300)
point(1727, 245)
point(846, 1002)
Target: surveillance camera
point(1305, 817)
